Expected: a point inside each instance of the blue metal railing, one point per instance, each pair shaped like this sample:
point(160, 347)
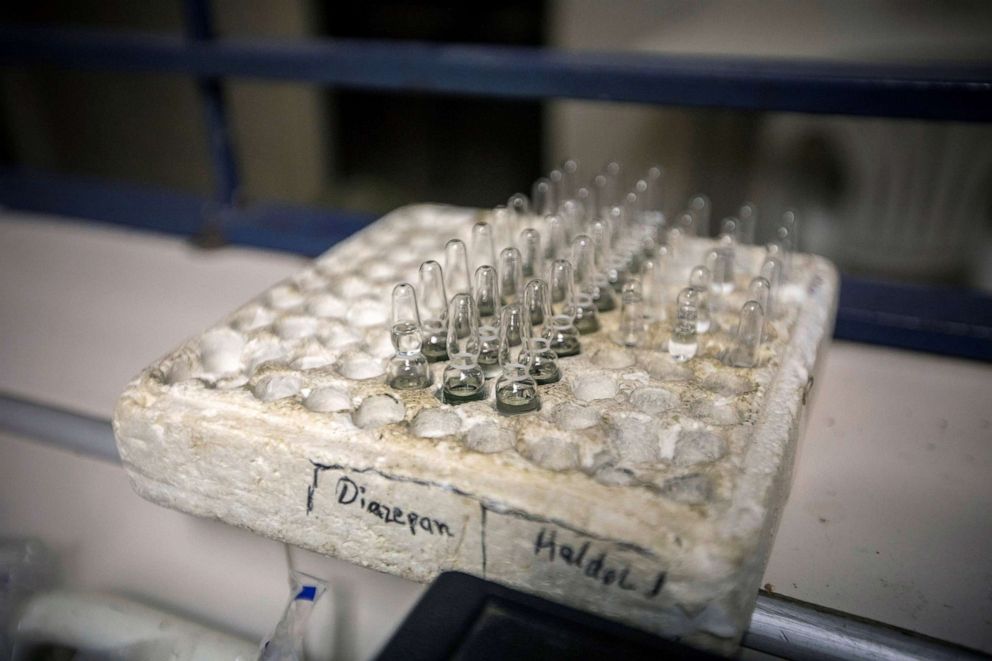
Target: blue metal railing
point(934, 91)
point(941, 320)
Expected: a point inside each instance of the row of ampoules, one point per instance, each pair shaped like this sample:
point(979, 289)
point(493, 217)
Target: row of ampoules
point(627, 251)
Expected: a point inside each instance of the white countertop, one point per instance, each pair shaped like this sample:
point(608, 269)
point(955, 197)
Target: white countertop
point(889, 516)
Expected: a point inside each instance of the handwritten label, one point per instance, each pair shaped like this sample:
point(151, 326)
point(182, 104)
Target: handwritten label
point(595, 565)
point(349, 493)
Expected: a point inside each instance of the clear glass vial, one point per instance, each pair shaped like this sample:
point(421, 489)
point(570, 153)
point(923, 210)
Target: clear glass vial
point(408, 368)
point(720, 262)
point(514, 329)
point(699, 280)
point(531, 253)
point(654, 290)
point(537, 301)
point(562, 287)
point(603, 295)
point(516, 390)
point(633, 326)
point(542, 360)
point(511, 278)
point(684, 342)
point(489, 350)
point(747, 216)
point(483, 246)
point(743, 349)
point(463, 379)
point(562, 336)
point(586, 318)
point(457, 277)
point(486, 294)
point(433, 312)
point(699, 207)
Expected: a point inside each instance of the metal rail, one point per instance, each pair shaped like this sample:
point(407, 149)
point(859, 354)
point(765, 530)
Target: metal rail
point(780, 626)
point(946, 91)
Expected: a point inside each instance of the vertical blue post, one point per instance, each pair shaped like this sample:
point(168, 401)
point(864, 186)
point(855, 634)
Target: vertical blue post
point(199, 27)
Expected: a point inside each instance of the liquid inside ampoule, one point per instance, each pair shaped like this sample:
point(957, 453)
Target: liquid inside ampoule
point(562, 336)
point(463, 381)
point(435, 342)
point(541, 360)
point(516, 391)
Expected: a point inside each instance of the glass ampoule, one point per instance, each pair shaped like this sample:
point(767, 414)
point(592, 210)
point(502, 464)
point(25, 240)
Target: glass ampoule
point(631, 209)
point(457, 277)
point(562, 286)
point(618, 224)
point(489, 348)
point(699, 208)
point(555, 238)
point(486, 292)
point(601, 201)
point(786, 244)
point(760, 290)
point(584, 199)
point(503, 227)
point(557, 179)
point(699, 280)
point(433, 311)
point(542, 198)
point(674, 239)
point(516, 390)
point(570, 175)
point(771, 270)
point(584, 263)
point(562, 336)
point(747, 216)
point(573, 218)
point(531, 253)
point(586, 317)
point(601, 234)
point(519, 206)
point(654, 291)
point(746, 343)
point(649, 240)
point(614, 181)
point(543, 361)
point(603, 297)
point(684, 342)
point(408, 368)
point(514, 329)
point(731, 227)
point(511, 277)
point(720, 262)
point(617, 271)
point(482, 246)
point(537, 301)
point(654, 200)
point(463, 379)
point(633, 329)
point(687, 223)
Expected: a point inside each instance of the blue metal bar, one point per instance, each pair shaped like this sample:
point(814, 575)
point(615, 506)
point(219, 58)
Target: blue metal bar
point(199, 29)
point(933, 91)
point(302, 230)
point(944, 320)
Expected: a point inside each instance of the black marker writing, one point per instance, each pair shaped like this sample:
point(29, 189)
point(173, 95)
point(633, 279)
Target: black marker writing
point(593, 566)
point(348, 492)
